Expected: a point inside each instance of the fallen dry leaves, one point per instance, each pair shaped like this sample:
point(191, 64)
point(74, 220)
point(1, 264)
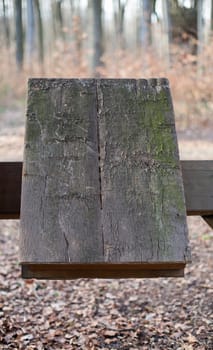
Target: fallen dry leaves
point(132, 314)
point(107, 314)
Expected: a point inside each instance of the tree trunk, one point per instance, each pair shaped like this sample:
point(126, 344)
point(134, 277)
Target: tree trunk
point(30, 39)
point(207, 21)
point(97, 35)
point(19, 34)
point(146, 37)
point(166, 31)
point(6, 25)
point(119, 13)
point(212, 16)
point(77, 29)
point(40, 31)
point(200, 33)
point(203, 29)
point(57, 19)
point(200, 25)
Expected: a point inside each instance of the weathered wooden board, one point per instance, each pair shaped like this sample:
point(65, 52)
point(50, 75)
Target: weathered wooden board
point(143, 211)
point(60, 212)
point(11, 178)
point(101, 178)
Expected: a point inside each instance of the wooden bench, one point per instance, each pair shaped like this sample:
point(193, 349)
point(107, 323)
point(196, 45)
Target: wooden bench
point(102, 193)
point(197, 178)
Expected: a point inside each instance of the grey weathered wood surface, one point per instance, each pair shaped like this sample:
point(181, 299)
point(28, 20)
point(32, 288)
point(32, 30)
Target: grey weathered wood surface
point(60, 212)
point(198, 182)
point(101, 179)
point(142, 194)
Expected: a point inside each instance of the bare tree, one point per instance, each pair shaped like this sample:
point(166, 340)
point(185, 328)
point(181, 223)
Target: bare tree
point(212, 16)
point(19, 34)
point(58, 22)
point(77, 25)
point(145, 30)
point(200, 23)
point(6, 24)
point(203, 30)
point(30, 30)
point(119, 14)
point(166, 30)
point(97, 34)
point(40, 31)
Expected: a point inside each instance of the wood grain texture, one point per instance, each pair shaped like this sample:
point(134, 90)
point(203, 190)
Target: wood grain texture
point(60, 212)
point(11, 178)
point(101, 176)
point(143, 207)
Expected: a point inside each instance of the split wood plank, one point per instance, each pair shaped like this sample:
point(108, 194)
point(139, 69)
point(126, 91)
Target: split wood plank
point(60, 211)
point(101, 177)
point(143, 210)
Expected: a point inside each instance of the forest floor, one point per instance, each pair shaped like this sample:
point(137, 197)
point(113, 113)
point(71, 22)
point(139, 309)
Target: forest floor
point(107, 314)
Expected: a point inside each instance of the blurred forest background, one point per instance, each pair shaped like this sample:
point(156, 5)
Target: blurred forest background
point(123, 39)
point(110, 38)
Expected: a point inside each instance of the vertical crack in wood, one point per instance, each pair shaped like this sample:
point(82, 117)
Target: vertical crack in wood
point(42, 204)
point(67, 247)
point(99, 102)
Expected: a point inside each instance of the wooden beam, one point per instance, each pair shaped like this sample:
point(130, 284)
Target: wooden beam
point(102, 270)
point(10, 189)
point(197, 179)
point(198, 186)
